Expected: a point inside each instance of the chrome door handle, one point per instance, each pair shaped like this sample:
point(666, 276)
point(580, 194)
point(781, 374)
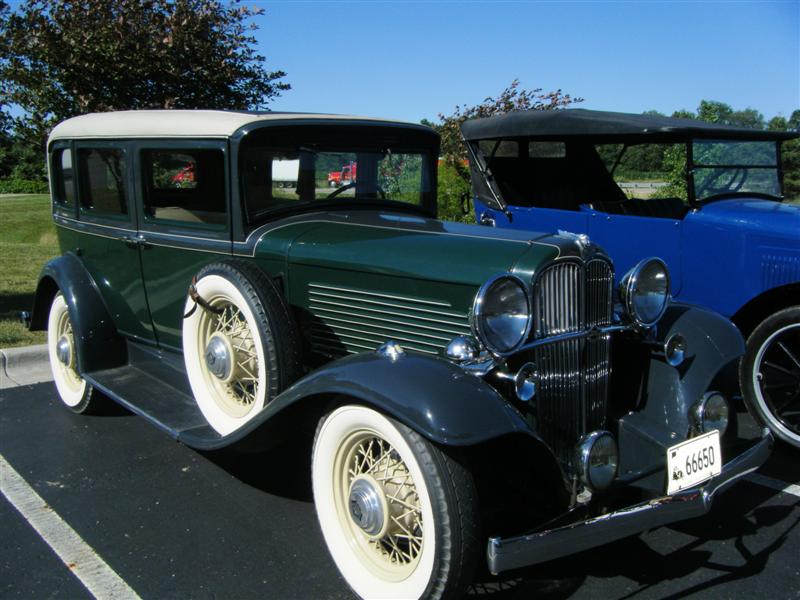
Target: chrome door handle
point(135, 241)
point(486, 219)
point(130, 241)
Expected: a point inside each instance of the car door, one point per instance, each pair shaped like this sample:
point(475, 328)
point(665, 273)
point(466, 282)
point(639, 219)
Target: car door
point(105, 229)
point(630, 238)
point(184, 223)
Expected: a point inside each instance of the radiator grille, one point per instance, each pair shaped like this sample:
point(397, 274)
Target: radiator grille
point(573, 393)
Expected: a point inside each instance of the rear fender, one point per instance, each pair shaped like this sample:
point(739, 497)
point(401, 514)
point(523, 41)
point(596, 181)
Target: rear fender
point(98, 344)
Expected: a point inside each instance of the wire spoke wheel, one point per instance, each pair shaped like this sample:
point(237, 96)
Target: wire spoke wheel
point(398, 515)
point(777, 377)
point(236, 385)
point(392, 551)
point(244, 351)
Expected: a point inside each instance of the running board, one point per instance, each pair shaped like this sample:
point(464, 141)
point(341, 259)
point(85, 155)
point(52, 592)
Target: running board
point(160, 403)
point(154, 385)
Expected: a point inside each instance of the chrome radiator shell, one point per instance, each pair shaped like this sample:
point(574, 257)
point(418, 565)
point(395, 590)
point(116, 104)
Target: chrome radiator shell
point(572, 296)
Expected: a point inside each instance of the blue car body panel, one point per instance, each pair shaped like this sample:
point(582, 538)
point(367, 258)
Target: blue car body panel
point(721, 255)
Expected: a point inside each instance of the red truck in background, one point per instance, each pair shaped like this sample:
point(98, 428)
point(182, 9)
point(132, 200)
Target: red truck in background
point(344, 177)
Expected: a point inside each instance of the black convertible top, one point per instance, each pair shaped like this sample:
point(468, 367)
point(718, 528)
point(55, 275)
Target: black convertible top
point(579, 122)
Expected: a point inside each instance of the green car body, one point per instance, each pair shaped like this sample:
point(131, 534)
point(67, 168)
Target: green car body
point(387, 307)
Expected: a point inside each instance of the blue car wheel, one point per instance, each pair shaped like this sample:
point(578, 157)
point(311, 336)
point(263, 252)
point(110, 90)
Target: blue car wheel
point(770, 374)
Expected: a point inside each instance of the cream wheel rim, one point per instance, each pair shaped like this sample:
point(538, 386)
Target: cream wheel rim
point(237, 391)
point(63, 330)
point(393, 553)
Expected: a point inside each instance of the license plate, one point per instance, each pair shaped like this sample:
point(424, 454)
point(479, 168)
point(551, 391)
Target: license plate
point(693, 461)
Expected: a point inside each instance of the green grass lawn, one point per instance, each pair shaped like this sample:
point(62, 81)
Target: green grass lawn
point(27, 241)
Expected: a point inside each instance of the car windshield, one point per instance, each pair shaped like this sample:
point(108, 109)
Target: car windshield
point(722, 168)
point(310, 171)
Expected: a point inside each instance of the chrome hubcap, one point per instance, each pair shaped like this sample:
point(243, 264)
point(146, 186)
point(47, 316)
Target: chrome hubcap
point(64, 350)
point(218, 356)
point(366, 508)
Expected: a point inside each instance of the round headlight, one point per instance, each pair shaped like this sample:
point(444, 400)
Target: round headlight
point(709, 413)
point(597, 460)
point(501, 316)
point(645, 291)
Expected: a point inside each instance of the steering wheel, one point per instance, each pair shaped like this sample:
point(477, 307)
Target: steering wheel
point(338, 191)
point(733, 184)
point(335, 193)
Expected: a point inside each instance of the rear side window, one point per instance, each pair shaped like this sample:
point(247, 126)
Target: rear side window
point(185, 185)
point(63, 178)
point(103, 186)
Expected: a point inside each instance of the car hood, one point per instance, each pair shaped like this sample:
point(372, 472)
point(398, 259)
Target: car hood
point(359, 278)
point(415, 248)
point(755, 215)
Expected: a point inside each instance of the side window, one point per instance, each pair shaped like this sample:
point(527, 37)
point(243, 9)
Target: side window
point(63, 178)
point(499, 148)
point(103, 188)
point(185, 185)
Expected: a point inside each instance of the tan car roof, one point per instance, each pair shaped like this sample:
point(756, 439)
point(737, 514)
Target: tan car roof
point(177, 123)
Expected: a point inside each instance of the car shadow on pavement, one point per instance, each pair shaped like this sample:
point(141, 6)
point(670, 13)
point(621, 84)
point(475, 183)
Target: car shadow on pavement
point(284, 470)
point(735, 518)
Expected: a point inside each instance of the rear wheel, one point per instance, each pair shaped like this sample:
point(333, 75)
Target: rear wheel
point(75, 392)
point(770, 374)
point(399, 516)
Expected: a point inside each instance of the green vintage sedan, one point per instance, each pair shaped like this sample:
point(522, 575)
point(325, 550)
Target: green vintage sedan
point(476, 395)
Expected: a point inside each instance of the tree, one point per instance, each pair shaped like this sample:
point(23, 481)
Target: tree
point(453, 172)
point(790, 154)
point(60, 58)
point(719, 112)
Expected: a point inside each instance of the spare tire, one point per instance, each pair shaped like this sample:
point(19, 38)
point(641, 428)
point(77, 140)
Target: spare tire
point(240, 345)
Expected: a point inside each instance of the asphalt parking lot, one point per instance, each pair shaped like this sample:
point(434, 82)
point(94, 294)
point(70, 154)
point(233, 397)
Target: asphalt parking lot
point(175, 523)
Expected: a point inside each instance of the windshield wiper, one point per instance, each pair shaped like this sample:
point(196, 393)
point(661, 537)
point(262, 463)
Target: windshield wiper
point(483, 168)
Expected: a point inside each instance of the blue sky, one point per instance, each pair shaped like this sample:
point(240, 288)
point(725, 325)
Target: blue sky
point(410, 60)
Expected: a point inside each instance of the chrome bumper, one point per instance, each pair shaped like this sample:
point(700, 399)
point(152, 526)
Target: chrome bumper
point(512, 553)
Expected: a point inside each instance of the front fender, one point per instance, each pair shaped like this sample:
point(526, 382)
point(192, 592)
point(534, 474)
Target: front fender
point(713, 343)
point(661, 418)
point(98, 344)
point(432, 396)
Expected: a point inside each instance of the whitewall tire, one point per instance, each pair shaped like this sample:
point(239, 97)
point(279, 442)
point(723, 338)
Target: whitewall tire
point(75, 392)
point(397, 514)
point(228, 401)
point(240, 350)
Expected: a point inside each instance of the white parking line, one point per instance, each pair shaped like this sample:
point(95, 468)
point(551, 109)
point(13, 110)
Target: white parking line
point(775, 484)
point(79, 557)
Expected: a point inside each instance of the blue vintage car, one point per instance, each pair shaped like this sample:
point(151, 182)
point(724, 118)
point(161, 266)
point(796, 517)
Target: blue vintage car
point(706, 198)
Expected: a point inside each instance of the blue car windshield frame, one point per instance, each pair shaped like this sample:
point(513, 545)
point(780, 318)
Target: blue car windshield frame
point(720, 168)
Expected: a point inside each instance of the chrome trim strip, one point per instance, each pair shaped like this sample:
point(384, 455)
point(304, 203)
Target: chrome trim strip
point(390, 297)
point(270, 227)
point(414, 308)
point(573, 335)
point(377, 343)
point(412, 341)
point(451, 334)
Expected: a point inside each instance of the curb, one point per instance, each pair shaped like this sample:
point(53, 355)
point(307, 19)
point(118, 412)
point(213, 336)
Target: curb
point(23, 366)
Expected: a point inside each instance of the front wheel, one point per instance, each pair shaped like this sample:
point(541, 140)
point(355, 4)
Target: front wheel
point(240, 349)
point(398, 515)
point(770, 374)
